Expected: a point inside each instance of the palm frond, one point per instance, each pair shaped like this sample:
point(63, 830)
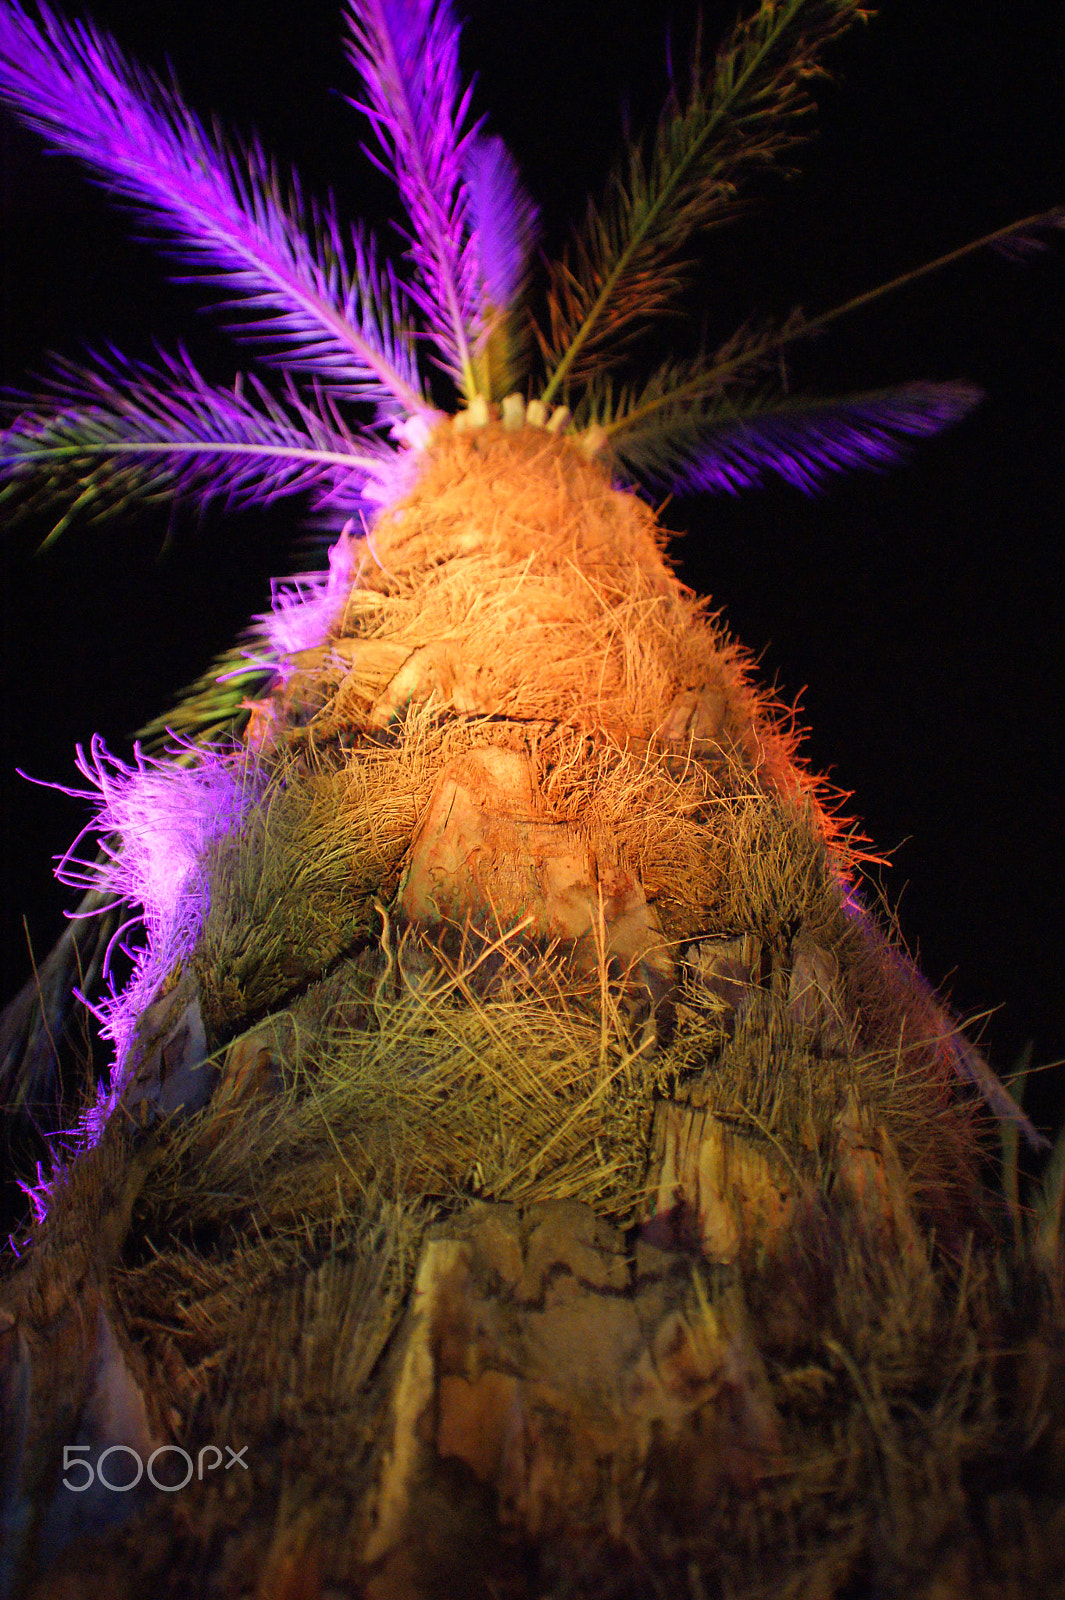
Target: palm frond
point(753, 349)
point(218, 704)
point(670, 437)
point(322, 298)
point(502, 231)
point(503, 218)
point(627, 262)
point(407, 54)
point(97, 438)
point(503, 223)
point(35, 1022)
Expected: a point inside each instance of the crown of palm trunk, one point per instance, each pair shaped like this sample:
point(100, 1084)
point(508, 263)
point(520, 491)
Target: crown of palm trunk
point(339, 324)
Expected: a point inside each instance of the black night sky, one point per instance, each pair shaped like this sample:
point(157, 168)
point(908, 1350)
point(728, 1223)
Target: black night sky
point(917, 612)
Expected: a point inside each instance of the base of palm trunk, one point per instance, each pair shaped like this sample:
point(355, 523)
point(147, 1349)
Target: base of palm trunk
point(559, 1406)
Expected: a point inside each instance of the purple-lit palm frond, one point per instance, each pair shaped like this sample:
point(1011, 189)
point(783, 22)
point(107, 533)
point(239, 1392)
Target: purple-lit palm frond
point(503, 223)
point(220, 701)
point(407, 54)
point(627, 261)
point(503, 218)
point(720, 445)
point(99, 438)
point(153, 822)
point(33, 1024)
point(320, 296)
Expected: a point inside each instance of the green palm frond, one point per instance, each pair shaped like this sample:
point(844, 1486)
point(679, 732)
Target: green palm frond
point(218, 705)
point(733, 402)
point(99, 437)
point(215, 706)
point(677, 384)
point(626, 263)
point(504, 222)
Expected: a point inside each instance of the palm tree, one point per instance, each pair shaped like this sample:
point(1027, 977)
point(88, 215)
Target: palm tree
point(526, 1165)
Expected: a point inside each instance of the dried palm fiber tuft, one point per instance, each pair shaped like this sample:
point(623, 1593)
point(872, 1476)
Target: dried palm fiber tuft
point(516, 582)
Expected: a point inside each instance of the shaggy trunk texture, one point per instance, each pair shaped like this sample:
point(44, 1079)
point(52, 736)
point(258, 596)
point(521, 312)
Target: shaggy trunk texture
point(542, 1171)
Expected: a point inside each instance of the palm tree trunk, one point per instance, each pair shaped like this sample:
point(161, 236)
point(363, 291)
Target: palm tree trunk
point(541, 1177)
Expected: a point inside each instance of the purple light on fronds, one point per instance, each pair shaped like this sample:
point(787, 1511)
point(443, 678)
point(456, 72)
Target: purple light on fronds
point(503, 220)
point(126, 428)
point(38, 1194)
point(118, 1015)
point(224, 207)
point(407, 54)
point(803, 441)
point(304, 607)
point(153, 823)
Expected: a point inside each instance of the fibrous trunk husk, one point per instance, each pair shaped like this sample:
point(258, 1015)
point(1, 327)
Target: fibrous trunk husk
point(542, 1174)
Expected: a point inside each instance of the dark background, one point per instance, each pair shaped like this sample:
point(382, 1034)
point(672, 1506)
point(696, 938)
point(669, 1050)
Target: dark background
point(918, 613)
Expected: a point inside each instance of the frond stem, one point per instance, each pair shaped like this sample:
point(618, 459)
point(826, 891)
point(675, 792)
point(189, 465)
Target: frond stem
point(1055, 217)
point(123, 447)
